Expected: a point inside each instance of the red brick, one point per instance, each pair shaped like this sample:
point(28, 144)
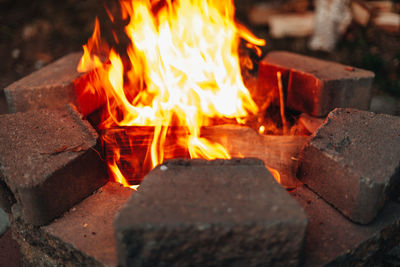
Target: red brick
point(353, 161)
point(210, 213)
point(333, 240)
point(48, 160)
point(49, 87)
point(83, 236)
point(315, 86)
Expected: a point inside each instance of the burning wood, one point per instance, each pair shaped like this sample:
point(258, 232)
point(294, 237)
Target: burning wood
point(282, 102)
point(279, 153)
point(131, 144)
point(181, 68)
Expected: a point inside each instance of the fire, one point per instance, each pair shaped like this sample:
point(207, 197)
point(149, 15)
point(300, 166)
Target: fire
point(182, 70)
point(275, 174)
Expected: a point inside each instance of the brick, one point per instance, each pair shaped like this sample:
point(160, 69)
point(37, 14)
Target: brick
point(210, 213)
point(48, 160)
point(333, 240)
point(352, 161)
point(49, 87)
point(83, 236)
point(314, 86)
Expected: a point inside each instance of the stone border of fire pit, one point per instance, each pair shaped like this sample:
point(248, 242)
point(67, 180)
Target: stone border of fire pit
point(48, 160)
point(50, 87)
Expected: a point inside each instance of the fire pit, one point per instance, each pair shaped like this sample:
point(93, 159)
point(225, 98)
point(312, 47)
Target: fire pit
point(202, 170)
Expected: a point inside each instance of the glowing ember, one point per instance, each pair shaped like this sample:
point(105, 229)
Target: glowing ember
point(183, 70)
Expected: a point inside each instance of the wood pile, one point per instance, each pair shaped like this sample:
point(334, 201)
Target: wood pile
point(324, 21)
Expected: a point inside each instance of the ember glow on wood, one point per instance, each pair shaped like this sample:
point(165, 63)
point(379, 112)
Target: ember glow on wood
point(182, 69)
point(132, 144)
point(279, 153)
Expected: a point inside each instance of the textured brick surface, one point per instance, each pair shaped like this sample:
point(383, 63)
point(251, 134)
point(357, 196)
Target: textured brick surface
point(315, 86)
point(84, 236)
point(333, 240)
point(48, 160)
point(352, 161)
point(49, 87)
point(210, 213)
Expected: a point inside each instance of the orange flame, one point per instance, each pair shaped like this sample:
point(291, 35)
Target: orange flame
point(275, 174)
point(91, 61)
point(183, 70)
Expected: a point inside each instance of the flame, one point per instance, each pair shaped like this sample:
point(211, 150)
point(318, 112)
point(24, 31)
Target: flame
point(282, 102)
point(118, 176)
point(275, 174)
point(91, 61)
point(182, 69)
point(261, 129)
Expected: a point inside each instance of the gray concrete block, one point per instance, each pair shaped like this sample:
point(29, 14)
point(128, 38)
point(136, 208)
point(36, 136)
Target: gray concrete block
point(83, 236)
point(49, 87)
point(48, 160)
point(315, 86)
point(210, 213)
point(353, 161)
point(333, 240)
